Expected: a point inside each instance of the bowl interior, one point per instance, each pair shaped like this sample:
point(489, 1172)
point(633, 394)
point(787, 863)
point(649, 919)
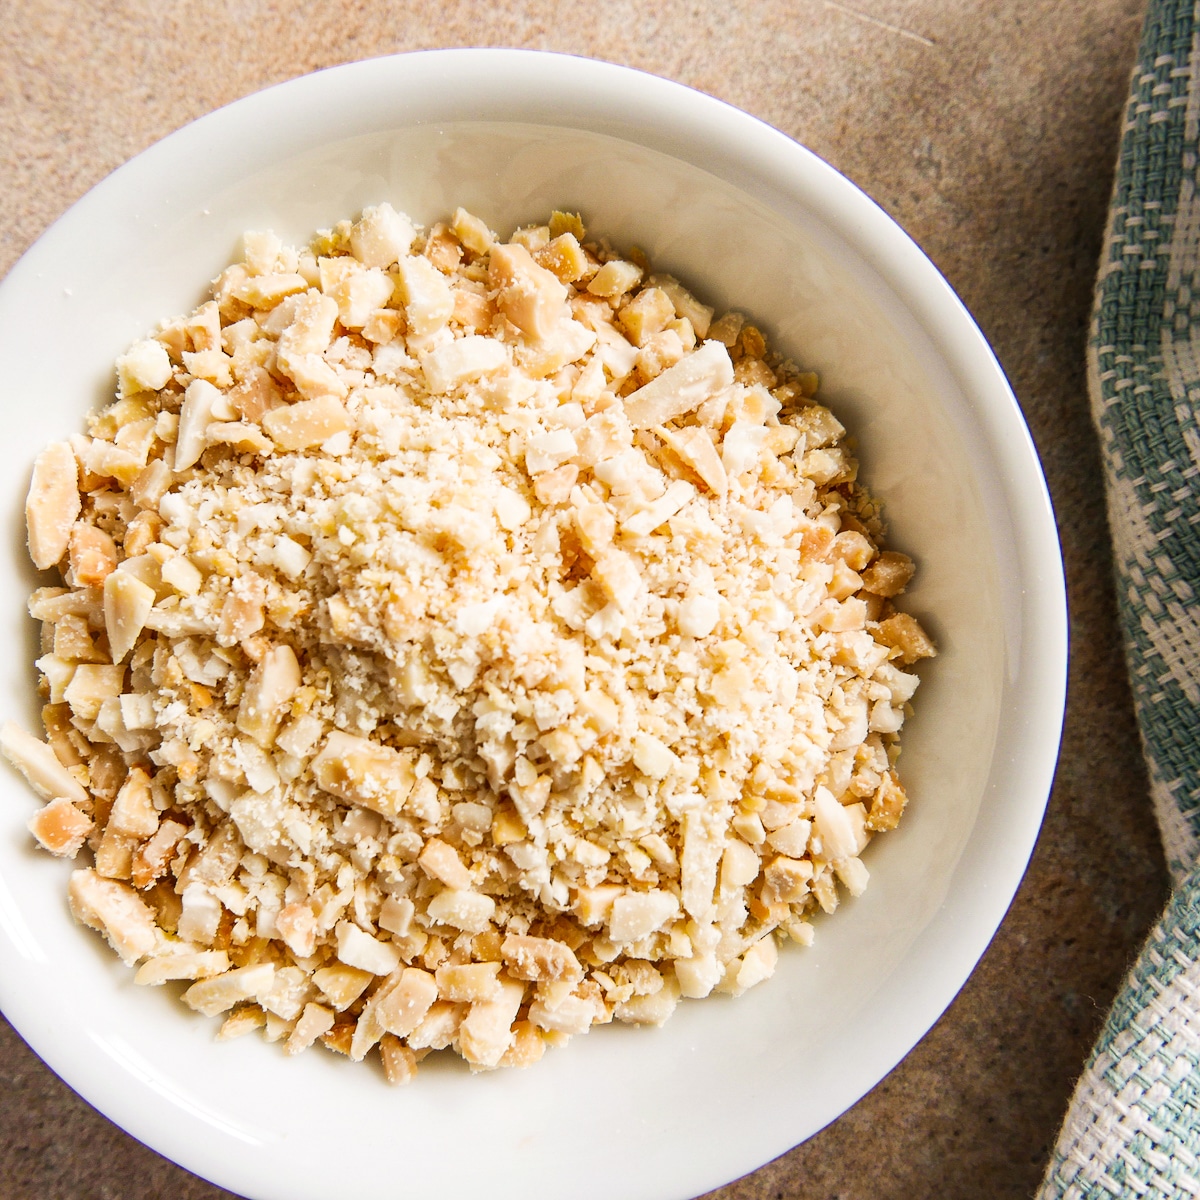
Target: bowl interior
point(726, 1084)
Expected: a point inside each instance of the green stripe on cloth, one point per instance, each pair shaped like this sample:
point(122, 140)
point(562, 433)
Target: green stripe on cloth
point(1133, 1128)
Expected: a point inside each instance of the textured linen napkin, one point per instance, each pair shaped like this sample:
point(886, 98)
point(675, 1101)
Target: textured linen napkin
point(1133, 1128)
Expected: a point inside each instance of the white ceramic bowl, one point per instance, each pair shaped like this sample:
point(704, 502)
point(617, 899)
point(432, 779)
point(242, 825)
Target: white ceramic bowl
point(751, 220)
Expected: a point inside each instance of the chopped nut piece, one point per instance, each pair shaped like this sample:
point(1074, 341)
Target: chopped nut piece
point(92, 555)
point(363, 772)
point(115, 910)
point(540, 960)
point(681, 388)
point(222, 992)
point(127, 605)
point(906, 635)
point(60, 827)
point(40, 765)
point(307, 423)
point(274, 682)
point(203, 964)
point(52, 505)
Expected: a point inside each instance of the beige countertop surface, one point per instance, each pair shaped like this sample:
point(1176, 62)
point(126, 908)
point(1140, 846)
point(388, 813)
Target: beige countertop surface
point(988, 129)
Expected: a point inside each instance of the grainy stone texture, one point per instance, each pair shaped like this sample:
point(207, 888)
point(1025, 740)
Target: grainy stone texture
point(988, 129)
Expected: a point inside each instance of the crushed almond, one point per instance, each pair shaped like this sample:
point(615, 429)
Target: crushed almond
point(462, 643)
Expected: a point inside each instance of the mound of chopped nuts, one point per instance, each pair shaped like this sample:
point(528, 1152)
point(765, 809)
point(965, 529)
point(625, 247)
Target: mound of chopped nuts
point(461, 644)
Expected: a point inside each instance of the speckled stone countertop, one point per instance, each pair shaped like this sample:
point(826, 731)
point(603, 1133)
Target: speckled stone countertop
point(988, 129)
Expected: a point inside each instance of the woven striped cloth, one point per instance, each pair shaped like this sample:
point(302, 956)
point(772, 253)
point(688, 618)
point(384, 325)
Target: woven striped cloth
point(1133, 1127)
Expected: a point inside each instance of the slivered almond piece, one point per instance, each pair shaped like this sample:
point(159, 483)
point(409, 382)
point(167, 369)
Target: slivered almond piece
point(646, 520)
point(681, 388)
point(530, 296)
point(127, 605)
point(52, 504)
point(150, 859)
point(40, 765)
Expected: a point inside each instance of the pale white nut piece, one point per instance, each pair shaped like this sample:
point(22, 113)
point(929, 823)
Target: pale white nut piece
point(615, 278)
point(440, 861)
point(653, 757)
point(52, 504)
point(340, 984)
point(472, 232)
point(270, 689)
point(636, 914)
point(703, 846)
point(164, 968)
point(127, 605)
point(381, 236)
point(646, 520)
point(307, 423)
point(791, 839)
point(91, 685)
point(195, 416)
point(696, 449)
point(39, 764)
point(315, 1020)
point(468, 983)
point(357, 290)
point(651, 1009)
point(471, 912)
point(406, 1003)
point(758, 963)
point(740, 865)
point(681, 388)
point(361, 771)
point(572, 1015)
point(834, 826)
point(428, 300)
point(116, 910)
point(201, 914)
point(698, 975)
point(486, 1031)
point(133, 812)
point(742, 445)
point(359, 949)
point(531, 297)
point(699, 613)
point(144, 367)
point(853, 874)
point(462, 361)
point(222, 992)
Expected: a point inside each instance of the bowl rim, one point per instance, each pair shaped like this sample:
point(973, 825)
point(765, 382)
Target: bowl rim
point(666, 116)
